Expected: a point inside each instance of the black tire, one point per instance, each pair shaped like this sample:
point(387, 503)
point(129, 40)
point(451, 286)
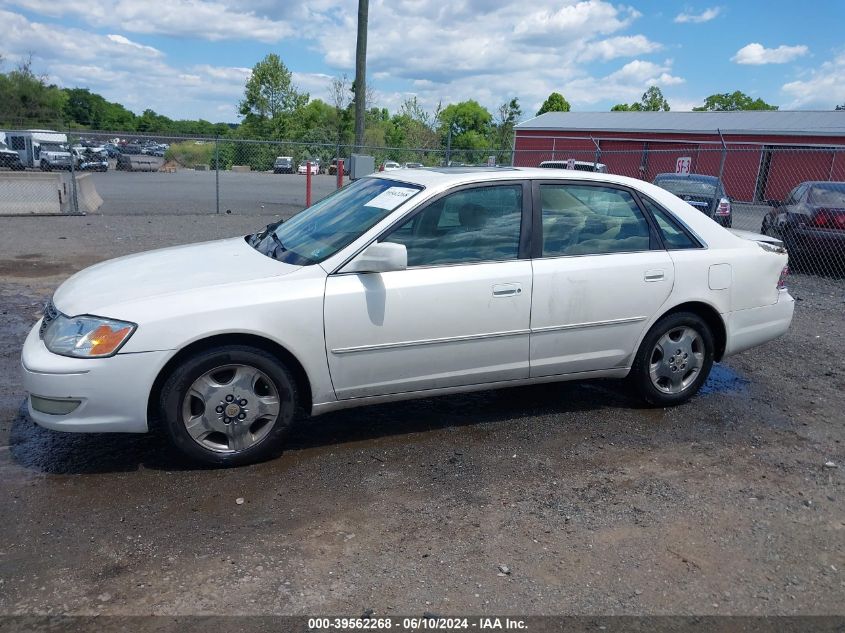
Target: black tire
point(797, 259)
point(640, 376)
point(175, 389)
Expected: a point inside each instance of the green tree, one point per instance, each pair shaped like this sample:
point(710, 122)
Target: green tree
point(654, 101)
point(555, 102)
point(270, 92)
point(729, 102)
point(27, 100)
point(464, 117)
point(651, 101)
point(507, 116)
point(340, 96)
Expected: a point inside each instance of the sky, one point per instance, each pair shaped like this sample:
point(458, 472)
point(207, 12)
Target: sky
point(190, 58)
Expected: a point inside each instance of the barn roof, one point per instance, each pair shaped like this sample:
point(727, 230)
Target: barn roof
point(780, 122)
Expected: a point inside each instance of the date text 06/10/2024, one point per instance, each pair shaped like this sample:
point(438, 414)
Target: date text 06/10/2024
point(417, 624)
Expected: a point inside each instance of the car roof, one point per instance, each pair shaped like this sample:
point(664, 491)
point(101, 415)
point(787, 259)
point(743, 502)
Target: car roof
point(449, 176)
point(699, 177)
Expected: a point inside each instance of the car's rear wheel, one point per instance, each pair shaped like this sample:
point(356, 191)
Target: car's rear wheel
point(797, 259)
point(229, 406)
point(674, 359)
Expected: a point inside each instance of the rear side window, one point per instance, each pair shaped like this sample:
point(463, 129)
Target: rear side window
point(673, 235)
point(591, 220)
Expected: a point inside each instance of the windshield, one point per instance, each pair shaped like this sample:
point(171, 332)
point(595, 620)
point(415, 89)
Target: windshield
point(337, 220)
point(828, 195)
point(52, 147)
point(687, 187)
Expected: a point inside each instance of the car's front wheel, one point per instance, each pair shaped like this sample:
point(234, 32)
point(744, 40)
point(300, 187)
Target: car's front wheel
point(674, 359)
point(229, 406)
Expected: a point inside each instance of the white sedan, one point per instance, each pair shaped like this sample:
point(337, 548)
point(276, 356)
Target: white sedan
point(303, 168)
point(404, 285)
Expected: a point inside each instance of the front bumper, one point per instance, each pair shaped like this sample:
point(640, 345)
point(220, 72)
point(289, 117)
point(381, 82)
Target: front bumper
point(755, 326)
point(112, 392)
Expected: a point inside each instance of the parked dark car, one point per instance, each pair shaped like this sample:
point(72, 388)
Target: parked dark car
point(283, 165)
point(112, 150)
point(705, 193)
point(811, 223)
point(90, 160)
point(131, 148)
point(10, 158)
point(333, 166)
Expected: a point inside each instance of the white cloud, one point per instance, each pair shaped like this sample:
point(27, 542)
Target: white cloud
point(823, 88)
point(488, 50)
point(698, 18)
point(757, 54)
point(485, 49)
point(125, 41)
point(124, 71)
point(684, 105)
point(626, 84)
point(622, 46)
point(182, 18)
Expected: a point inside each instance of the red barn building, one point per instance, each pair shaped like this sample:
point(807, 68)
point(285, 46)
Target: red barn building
point(759, 155)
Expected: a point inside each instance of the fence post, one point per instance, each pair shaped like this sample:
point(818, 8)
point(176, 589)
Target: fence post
point(724, 155)
point(74, 197)
point(217, 172)
point(308, 183)
point(598, 150)
point(339, 172)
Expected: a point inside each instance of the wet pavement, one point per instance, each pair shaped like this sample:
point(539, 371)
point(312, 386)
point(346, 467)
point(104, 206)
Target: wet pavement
point(594, 503)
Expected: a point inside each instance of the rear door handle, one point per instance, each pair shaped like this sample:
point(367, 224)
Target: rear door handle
point(507, 290)
point(654, 275)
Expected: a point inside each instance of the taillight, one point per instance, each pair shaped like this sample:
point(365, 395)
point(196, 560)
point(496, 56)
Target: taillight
point(724, 207)
point(833, 218)
point(782, 279)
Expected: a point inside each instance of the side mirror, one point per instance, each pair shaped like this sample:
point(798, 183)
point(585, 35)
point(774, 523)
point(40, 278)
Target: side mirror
point(379, 257)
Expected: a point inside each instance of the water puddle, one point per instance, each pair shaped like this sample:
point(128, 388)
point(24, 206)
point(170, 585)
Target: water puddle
point(723, 379)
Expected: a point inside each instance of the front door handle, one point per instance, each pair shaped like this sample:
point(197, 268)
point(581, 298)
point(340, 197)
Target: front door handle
point(506, 290)
point(654, 275)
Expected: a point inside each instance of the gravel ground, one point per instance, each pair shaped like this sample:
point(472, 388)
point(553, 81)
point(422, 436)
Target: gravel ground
point(592, 503)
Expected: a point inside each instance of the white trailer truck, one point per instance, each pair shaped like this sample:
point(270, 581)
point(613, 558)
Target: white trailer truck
point(45, 149)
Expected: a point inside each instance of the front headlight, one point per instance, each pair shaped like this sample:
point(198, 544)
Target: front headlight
point(86, 336)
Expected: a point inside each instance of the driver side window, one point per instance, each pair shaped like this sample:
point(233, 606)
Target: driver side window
point(471, 225)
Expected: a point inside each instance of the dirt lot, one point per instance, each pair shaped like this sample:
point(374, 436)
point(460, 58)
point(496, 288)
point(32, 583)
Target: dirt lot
point(595, 505)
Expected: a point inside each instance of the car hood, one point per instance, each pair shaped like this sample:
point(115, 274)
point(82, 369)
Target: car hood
point(163, 272)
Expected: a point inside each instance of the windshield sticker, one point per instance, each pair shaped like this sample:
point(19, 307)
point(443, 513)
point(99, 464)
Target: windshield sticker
point(391, 198)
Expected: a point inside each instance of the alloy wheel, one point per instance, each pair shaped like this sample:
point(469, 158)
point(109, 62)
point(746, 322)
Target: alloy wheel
point(230, 408)
point(676, 360)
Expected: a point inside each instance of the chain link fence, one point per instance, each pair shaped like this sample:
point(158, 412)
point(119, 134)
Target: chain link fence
point(794, 194)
